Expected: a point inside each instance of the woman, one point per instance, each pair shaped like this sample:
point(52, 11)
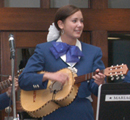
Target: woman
point(57, 54)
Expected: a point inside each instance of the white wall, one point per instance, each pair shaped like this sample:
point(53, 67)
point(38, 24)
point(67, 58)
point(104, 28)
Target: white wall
point(54, 3)
point(60, 3)
point(22, 3)
point(119, 3)
point(80, 3)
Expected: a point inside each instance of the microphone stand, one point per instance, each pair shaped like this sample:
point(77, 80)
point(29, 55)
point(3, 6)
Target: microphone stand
point(12, 57)
point(13, 90)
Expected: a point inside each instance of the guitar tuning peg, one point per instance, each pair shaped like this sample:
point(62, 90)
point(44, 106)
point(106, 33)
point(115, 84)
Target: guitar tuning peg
point(112, 78)
point(121, 73)
point(111, 65)
point(121, 67)
point(122, 76)
point(117, 77)
point(18, 71)
point(117, 65)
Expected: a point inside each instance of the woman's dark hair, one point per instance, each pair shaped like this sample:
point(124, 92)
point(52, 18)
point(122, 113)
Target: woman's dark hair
point(64, 12)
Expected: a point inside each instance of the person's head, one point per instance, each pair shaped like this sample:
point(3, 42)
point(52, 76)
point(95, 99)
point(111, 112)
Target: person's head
point(70, 20)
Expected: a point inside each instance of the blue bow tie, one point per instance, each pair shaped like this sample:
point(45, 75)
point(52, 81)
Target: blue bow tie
point(72, 52)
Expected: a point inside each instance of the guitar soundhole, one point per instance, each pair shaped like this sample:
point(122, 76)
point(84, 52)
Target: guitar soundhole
point(55, 87)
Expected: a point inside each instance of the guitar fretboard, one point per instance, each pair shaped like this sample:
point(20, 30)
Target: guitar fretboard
point(4, 84)
point(86, 77)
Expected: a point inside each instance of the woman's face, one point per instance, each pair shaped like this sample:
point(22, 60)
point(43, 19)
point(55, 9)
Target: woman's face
point(73, 25)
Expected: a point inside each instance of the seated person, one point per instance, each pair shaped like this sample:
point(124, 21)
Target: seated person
point(5, 97)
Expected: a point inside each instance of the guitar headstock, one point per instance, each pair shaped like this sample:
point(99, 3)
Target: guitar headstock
point(19, 71)
point(118, 70)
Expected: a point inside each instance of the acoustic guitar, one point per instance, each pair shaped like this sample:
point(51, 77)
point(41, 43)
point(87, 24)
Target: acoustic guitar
point(6, 83)
point(40, 103)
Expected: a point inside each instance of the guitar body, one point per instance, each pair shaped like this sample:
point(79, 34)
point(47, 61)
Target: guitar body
point(40, 103)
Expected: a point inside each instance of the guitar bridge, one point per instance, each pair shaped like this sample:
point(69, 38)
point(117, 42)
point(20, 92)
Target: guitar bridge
point(55, 87)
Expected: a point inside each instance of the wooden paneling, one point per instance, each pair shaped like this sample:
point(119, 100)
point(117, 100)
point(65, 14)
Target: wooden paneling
point(1, 3)
point(99, 38)
point(45, 3)
point(5, 54)
point(98, 4)
point(40, 19)
point(85, 37)
point(26, 18)
point(107, 19)
point(29, 39)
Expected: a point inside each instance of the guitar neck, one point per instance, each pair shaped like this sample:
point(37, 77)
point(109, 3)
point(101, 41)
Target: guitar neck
point(85, 77)
point(4, 84)
point(109, 71)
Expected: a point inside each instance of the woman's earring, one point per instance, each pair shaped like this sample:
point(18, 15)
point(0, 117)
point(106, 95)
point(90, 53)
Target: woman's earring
point(62, 32)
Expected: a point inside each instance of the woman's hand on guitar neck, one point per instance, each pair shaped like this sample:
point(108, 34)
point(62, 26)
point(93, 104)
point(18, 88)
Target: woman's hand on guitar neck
point(56, 76)
point(99, 77)
point(10, 88)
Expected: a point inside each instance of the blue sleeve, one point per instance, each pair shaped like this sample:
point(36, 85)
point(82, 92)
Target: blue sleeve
point(127, 78)
point(29, 78)
point(98, 64)
point(4, 101)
